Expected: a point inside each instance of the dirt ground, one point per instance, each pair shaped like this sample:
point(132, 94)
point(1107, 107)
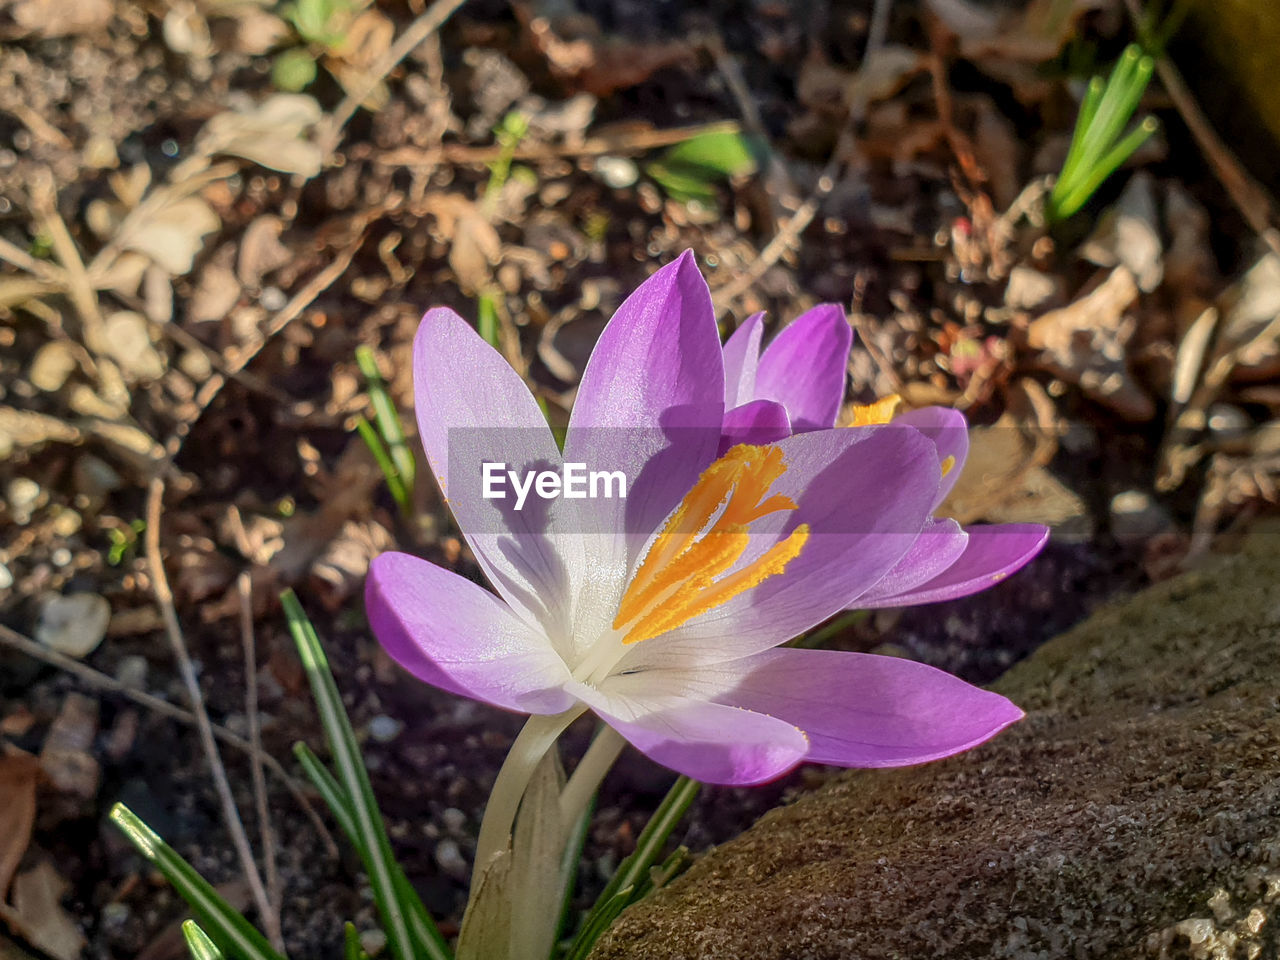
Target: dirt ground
point(193, 252)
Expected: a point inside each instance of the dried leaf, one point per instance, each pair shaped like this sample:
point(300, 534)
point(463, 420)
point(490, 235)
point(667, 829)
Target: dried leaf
point(18, 776)
point(261, 250)
point(128, 343)
point(38, 916)
point(271, 134)
point(171, 234)
point(476, 246)
point(1128, 234)
point(60, 18)
point(65, 757)
point(25, 428)
point(1084, 343)
point(1004, 479)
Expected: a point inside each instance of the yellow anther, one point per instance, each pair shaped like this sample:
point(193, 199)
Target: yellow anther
point(948, 464)
point(676, 580)
point(872, 414)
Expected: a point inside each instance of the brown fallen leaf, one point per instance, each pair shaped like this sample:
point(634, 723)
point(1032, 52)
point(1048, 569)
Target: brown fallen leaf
point(58, 18)
point(1084, 343)
point(1004, 478)
point(19, 773)
point(37, 914)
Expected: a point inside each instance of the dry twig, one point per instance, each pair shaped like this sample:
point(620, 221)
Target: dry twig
point(164, 598)
point(271, 920)
point(101, 681)
point(790, 231)
point(1249, 196)
point(428, 23)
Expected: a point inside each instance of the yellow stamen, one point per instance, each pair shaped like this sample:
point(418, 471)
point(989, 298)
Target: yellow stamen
point(676, 580)
point(948, 463)
point(872, 414)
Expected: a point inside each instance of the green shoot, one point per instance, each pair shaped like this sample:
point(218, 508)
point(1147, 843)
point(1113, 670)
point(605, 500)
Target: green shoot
point(487, 319)
point(634, 878)
point(509, 133)
point(690, 170)
point(387, 442)
point(198, 942)
point(400, 908)
point(1100, 144)
point(227, 928)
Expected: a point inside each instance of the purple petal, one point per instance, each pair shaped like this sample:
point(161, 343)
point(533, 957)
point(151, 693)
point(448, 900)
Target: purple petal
point(741, 357)
point(757, 422)
point(457, 636)
point(991, 554)
point(939, 546)
point(865, 493)
point(707, 741)
point(472, 408)
point(804, 367)
point(650, 403)
point(949, 431)
point(862, 710)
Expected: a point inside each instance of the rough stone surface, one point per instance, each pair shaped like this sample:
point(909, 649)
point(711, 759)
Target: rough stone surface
point(1134, 813)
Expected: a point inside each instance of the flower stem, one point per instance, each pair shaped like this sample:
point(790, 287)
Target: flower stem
point(532, 744)
point(591, 769)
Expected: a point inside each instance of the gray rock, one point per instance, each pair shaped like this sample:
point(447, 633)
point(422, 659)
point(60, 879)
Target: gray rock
point(1132, 814)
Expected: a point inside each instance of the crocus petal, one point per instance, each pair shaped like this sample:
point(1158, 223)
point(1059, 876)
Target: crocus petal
point(991, 554)
point(949, 432)
point(462, 387)
point(457, 636)
point(804, 367)
point(865, 494)
point(707, 741)
point(650, 405)
point(939, 546)
point(741, 357)
point(862, 710)
point(757, 422)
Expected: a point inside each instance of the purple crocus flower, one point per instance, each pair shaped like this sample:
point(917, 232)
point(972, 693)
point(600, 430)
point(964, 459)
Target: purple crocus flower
point(663, 612)
point(797, 385)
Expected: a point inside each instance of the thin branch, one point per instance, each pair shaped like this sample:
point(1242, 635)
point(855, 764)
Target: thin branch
point(164, 598)
point(271, 920)
point(790, 231)
point(1249, 196)
point(419, 30)
point(98, 680)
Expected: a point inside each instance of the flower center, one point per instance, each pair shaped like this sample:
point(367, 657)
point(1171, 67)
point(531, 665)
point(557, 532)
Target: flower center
point(689, 568)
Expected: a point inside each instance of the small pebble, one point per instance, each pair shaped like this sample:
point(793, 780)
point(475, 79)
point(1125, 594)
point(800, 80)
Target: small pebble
point(449, 859)
point(1136, 517)
point(73, 625)
point(384, 729)
point(61, 557)
point(132, 672)
point(454, 819)
point(23, 495)
point(6, 577)
point(373, 942)
point(272, 298)
point(617, 172)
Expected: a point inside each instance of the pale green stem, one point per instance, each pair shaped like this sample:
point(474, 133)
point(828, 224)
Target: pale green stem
point(595, 764)
point(526, 753)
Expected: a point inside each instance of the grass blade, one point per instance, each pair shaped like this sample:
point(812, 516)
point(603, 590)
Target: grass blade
point(226, 927)
point(421, 926)
point(390, 472)
point(373, 843)
point(198, 942)
point(633, 874)
point(386, 417)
